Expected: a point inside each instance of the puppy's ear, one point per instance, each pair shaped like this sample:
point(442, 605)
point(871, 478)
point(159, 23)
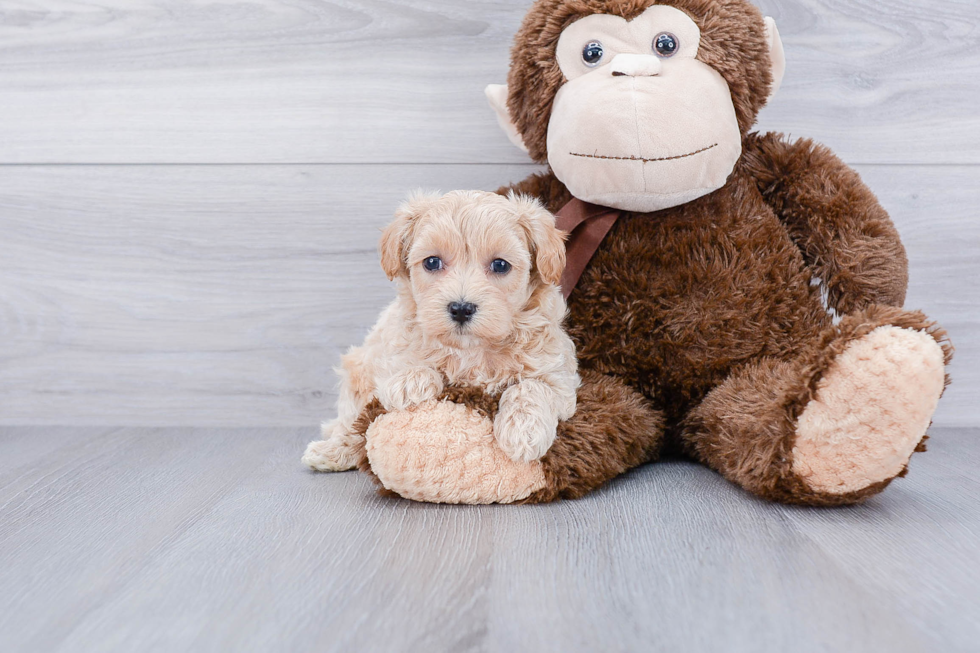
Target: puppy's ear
point(397, 236)
point(547, 241)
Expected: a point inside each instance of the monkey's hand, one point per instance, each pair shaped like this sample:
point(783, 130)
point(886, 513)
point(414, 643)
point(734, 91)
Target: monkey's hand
point(843, 232)
point(526, 421)
point(410, 387)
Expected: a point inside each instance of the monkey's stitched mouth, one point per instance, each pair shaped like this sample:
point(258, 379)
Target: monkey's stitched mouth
point(637, 158)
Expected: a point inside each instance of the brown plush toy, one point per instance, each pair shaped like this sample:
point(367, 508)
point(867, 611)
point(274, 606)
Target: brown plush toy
point(711, 260)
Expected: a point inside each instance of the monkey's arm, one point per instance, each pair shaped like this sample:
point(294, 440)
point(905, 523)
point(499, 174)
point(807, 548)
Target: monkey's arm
point(844, 233)
point(545, 187)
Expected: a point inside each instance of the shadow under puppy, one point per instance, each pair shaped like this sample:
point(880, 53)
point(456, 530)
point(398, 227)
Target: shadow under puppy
point(478, 306)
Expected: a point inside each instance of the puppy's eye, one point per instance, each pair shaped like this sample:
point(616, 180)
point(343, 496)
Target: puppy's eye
point(666, 44)
point(592, 54)
point(432, 264)
point(500, 266)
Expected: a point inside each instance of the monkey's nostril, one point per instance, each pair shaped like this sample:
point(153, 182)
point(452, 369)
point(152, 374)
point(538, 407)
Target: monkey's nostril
point(462, 312)
point(636, 65)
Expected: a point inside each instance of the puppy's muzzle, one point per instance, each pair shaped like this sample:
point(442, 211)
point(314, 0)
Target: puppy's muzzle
point(461, 312)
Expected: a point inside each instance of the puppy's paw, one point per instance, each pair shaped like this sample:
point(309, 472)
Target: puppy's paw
point(339, 453)
point(410, 388)
point(525, 425)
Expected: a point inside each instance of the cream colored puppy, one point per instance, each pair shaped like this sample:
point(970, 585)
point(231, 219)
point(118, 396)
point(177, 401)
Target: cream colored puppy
point(477, 305)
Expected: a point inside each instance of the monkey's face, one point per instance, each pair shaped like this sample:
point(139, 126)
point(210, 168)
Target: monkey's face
point(640, 114)
point(641, 124)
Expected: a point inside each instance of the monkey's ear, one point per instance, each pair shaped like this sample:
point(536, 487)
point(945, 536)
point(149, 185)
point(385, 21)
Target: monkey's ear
point(497, 94)
point(397, 236)
point(776, 55)
point(547, 241)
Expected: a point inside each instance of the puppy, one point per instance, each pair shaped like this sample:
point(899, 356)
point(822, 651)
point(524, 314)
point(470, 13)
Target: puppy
point(478, 305)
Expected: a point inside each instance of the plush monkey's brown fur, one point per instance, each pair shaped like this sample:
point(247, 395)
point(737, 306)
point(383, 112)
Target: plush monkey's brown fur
point(709, 309)
point(613, 430)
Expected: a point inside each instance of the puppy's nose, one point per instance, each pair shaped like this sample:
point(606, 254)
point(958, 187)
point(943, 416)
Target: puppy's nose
point(462, 312)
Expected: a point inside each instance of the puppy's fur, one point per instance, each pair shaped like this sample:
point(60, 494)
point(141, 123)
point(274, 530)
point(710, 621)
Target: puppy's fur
point(513, 345)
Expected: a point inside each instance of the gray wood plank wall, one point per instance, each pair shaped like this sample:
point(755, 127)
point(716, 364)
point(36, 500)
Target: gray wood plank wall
point(191, 192)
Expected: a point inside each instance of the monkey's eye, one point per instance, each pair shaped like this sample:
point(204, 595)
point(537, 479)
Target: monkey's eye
point(666, 44)
point(432, 264)
point(592, 54)
point(500, 266)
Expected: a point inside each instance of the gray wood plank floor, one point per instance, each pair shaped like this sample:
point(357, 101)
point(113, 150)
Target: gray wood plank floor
point(216, 539)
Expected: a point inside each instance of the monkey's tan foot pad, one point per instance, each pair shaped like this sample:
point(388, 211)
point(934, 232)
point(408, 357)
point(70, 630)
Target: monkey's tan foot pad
point(444, 452)
point(871, 410)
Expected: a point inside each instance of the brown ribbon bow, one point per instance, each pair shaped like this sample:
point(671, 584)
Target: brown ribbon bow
point(587, 225)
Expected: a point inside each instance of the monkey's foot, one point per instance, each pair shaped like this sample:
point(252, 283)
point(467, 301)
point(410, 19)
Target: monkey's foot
point(871, 411)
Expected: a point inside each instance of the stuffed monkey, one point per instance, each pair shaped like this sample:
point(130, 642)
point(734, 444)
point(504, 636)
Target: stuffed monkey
point(706, 263)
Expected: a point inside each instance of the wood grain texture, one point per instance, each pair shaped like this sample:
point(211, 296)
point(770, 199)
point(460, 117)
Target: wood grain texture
point(307, 81)
point(217, 540)
point(214, 295)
